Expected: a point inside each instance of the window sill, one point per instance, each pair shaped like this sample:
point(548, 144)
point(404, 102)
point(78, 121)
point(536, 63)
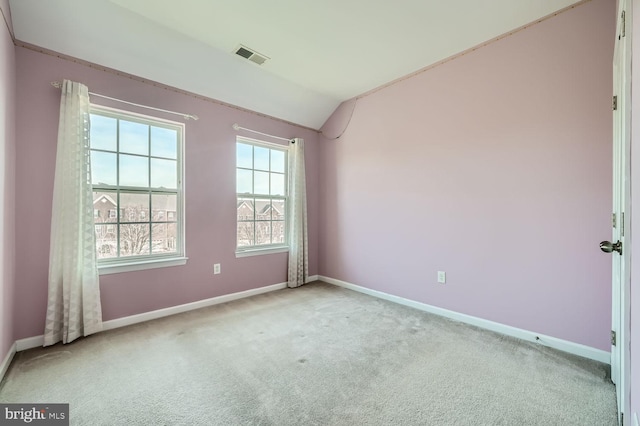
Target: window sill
point(258, 252)
point(141, 265)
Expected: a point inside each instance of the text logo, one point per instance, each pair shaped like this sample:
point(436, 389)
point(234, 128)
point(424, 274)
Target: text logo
point(34, 414)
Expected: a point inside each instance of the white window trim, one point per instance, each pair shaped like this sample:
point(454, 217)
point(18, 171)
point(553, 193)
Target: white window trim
point(111, 266)
point(140, 265)
point(265, 249)
point(260, 251)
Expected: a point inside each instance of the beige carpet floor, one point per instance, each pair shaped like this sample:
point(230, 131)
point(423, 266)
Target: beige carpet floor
point(316, 355)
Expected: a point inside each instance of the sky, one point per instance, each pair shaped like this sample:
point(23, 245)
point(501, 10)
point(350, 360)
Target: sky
point(260, 170)
point(148, 154)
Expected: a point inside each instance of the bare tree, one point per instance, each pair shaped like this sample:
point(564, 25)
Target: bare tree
point(134, 237)
point(106, 235)
point(263, 230)
point(245, 234)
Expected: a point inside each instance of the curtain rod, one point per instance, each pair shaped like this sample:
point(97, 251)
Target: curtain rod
point(58, 85)
point(237, 127)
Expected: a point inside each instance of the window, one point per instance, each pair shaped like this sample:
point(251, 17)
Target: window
point(136, 168)
point(261, 186)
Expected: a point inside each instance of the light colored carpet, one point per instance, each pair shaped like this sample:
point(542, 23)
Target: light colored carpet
point(316, 355)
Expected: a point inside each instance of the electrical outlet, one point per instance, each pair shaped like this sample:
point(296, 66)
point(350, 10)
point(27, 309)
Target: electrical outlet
point(442, 277)
point(216, 268)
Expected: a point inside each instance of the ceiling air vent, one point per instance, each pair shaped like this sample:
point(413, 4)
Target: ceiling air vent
point(251, 55)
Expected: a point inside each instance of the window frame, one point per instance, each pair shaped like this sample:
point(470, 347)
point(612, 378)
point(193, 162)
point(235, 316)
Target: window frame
point(256, 250)
point(151, 260)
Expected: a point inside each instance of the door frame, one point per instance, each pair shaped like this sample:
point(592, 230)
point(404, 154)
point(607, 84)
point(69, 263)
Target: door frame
point(621, 265)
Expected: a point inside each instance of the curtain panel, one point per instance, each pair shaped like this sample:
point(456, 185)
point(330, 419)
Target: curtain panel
point(73, 307)
point(298, 239)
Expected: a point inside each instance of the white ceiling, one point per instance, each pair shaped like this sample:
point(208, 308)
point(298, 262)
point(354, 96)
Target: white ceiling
point(322, 52)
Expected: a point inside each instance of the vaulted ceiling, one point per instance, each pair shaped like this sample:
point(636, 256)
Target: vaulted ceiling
point(320, 52)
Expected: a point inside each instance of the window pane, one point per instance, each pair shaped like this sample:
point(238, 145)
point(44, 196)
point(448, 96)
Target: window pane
point(103, 168)
point(164, 173)
point(278, 210)
point(268, 233)
point(277, 161)
point(277, 232)
point(245, 234)
point(105, 207)
point(135, 207)
point(263, 233)
point(261, 182)
point(172, 237)
point(103, 132)
point(263, 209)
point(134, 137)
point(277, 184)
point(164, 142)
point(134, 239)
point(162, 204)
point(134, 171)
point(163, 238)
point(244, 155)
point(261, 158)
point(106, 241)
point(245, 209)
point(244, 181)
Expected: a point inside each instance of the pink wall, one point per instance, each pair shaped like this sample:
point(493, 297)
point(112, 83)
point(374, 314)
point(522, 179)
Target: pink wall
point(7, 189)
point(494, 167)
point(210, 196)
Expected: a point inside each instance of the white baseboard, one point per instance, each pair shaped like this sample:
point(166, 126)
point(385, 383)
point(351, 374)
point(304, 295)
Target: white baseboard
point(148, 316)
point(312, 278)
point(29, 343)
point(7, 361)
point(36, 341)
point(553, 342)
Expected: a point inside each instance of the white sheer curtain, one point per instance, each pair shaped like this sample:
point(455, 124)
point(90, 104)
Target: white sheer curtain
point(73, 308)
point(298, 240)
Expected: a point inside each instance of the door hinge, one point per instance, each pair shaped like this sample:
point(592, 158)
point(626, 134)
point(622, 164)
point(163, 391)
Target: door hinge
point(613, 338)
point(615, 103)
point(613, 220)
point(622, 224)
point(624, 23)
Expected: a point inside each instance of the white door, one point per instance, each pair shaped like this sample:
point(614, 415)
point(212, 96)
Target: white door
point(621, 175)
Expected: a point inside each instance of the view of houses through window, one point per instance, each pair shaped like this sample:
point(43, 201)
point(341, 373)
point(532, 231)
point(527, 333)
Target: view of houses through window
point(135, 173)
point(140, 233)
point(261, 181)
point(268, 226)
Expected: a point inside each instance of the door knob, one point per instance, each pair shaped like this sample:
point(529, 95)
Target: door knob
point(609, 247)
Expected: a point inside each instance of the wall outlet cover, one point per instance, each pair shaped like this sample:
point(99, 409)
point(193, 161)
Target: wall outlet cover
point(442, 277)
